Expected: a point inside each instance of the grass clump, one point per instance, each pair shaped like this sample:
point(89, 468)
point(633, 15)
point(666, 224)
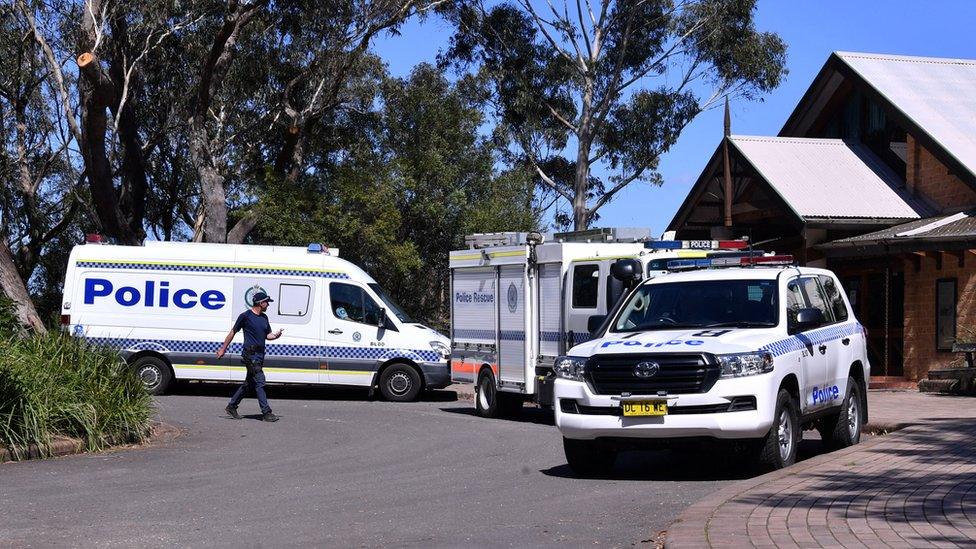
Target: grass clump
point(55, 385)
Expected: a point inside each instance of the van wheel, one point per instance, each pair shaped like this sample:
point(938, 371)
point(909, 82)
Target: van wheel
point(154, 374)
point(843, 429)
point(778, 448)
point(588, 457)
point(486, 396)
point(400, 383)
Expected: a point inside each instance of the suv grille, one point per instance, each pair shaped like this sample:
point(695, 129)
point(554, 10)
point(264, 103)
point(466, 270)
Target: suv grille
point(677, 374)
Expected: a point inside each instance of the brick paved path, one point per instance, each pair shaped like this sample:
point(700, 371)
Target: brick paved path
point(912, 488)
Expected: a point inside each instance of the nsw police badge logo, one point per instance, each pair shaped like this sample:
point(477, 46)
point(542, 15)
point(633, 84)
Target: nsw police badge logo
point(249, 294)
point(356, 336)
point(512, 298)
point(645, 370)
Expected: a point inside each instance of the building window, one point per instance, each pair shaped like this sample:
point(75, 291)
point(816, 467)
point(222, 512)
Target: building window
point(945, 313)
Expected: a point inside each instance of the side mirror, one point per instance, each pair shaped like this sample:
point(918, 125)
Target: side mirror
point(381, 321)
point(594, 322)
point(808, 319)
point(626, 270)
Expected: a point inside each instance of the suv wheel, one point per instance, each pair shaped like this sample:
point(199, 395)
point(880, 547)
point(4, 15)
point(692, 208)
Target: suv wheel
point(588, 457)
point(843, 429)
point(778, 448)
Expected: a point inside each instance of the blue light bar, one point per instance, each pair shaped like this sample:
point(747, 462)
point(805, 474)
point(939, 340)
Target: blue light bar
point(315, 248)
point(689, 263)
point(663, 245)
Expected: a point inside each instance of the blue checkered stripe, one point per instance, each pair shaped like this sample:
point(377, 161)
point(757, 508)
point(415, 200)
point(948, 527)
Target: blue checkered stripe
point(209, 269)
point(578, 337)
point(799, 342)
point(463, 333)
point(207, 347)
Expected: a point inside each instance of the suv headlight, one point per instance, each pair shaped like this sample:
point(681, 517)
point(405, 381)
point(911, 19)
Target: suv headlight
point(441, 348)
point(745, 364)
point(570, 367)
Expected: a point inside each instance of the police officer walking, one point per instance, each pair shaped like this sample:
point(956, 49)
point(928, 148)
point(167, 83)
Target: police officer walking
point(257, 329)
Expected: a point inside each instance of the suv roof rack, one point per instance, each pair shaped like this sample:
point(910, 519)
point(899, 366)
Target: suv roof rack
point(771, 260)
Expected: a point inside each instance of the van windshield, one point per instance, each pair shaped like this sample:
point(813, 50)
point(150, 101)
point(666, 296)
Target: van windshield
point(390, 304)
point(700, 304)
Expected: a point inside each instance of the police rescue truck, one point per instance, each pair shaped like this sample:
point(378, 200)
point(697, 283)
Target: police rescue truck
point(167, 307)
point(750, 350)
point(519, 300)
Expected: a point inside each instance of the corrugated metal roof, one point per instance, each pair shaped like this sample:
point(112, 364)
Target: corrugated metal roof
point(953, 227)
point(829, 178)
point(936, 94)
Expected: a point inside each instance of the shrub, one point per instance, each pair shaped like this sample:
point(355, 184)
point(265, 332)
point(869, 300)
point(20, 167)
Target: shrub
point(56, 385)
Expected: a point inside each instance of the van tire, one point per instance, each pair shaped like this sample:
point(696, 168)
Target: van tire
point(486, 396)
point(588, 458)
point(843, 429)
point(400, 383)
point(786, 421)
point(154, 373)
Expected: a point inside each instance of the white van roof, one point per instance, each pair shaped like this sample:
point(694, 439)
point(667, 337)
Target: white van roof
point(199, 253)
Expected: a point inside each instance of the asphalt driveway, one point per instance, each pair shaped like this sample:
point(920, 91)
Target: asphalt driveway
point(341, 470)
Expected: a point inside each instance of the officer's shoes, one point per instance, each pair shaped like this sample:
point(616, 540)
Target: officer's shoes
point(232, 412)
point(269, 417)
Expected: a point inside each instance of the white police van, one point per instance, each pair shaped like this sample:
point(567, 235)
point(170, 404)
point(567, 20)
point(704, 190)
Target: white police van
point(167, 306)
point(519, 300)
point(752, 354)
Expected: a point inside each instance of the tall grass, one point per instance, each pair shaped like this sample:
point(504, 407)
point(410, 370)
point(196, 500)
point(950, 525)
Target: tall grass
point(55, 385)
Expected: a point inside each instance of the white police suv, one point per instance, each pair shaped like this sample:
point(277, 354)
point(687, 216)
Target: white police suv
point(754, 353)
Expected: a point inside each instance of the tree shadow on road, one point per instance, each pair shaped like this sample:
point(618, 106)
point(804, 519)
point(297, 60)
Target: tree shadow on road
point(298, 392)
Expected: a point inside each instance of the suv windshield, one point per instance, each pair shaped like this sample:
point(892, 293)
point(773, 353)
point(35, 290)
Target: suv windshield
point(700, 304)
point(390, 304)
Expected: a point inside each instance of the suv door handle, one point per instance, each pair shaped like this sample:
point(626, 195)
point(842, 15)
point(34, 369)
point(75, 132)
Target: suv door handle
point(823, 349)
point(846, 341)
point(335, 331)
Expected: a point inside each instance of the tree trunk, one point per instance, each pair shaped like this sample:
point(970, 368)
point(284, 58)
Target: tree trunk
point(581, 215)
point(14, 288)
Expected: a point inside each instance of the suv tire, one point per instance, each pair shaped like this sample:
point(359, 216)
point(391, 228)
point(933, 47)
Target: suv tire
point(778, 448)
point(843, 429)
point(588, 458)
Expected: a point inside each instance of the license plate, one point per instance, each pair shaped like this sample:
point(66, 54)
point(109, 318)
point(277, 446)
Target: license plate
point(645, 408)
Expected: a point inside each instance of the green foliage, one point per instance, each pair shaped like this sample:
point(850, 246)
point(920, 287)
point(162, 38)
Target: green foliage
point(613, 90)
point(55, 385)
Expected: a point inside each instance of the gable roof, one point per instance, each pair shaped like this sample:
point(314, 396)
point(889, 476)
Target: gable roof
point(829, 178)
point(930, 97)
point(819, 180)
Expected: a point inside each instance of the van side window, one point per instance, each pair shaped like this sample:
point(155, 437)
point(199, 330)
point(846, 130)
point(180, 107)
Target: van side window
point(586, 286)
point(352, 303)
point(833, 298)
point(794, 302)
point(811, 288)
point(293, 299)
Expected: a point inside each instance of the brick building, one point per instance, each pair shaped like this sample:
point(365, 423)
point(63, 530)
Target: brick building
point(874, 176)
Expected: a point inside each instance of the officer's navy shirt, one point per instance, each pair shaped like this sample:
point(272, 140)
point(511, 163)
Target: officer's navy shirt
point(256, 327)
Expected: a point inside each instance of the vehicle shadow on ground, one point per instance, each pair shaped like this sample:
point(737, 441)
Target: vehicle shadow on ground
point(701, 464)
point(298, 392)
point(538, 416)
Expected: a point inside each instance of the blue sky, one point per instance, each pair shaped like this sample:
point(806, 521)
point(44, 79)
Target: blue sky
point(811, 29)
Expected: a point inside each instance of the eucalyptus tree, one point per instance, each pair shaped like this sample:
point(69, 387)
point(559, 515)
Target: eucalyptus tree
point(608, 84)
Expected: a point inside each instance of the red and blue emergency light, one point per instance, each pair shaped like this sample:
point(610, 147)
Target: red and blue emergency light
point(748, 261)
point(697, 244)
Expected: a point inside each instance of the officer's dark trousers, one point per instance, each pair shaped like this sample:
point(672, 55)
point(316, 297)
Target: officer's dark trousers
point(254, 362)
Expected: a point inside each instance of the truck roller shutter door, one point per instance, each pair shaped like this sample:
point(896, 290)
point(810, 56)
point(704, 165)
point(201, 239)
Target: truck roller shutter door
point(550, 306)
point(511, 310)
point(473, 331)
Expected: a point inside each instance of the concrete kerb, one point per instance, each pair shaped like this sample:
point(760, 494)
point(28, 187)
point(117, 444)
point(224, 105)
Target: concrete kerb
point(690, 529)
point(70, 446)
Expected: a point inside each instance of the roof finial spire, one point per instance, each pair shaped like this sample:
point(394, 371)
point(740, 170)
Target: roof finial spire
point(728, 118)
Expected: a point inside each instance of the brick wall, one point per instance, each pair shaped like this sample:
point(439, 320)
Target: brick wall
point(931, 180)
point(920, 353)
